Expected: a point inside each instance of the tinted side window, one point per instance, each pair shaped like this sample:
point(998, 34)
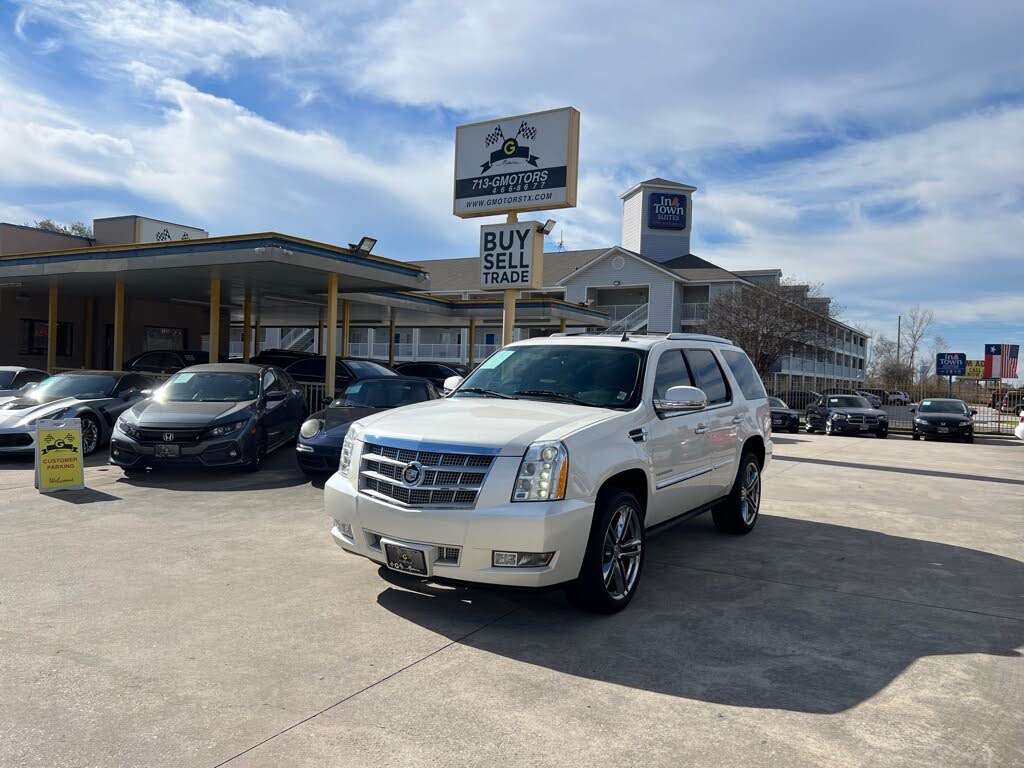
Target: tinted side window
point(671, 372)
point(416, 369)
point(276, 384)
point(745, 374)
point(708, 375)
point(308, 368)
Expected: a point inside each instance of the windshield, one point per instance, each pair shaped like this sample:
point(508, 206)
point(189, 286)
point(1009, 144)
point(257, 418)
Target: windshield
point(366, 368)
point(6, 377)
point(382, 394)
point(775, 402)
point(848, 401)
point(210, 387)
point(82, 387)
point(598, 376)
point(943, 406)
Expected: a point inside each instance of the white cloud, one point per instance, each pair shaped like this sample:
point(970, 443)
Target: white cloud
point(172, 37)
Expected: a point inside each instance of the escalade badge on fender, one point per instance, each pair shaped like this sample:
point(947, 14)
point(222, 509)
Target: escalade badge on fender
point(413, 473)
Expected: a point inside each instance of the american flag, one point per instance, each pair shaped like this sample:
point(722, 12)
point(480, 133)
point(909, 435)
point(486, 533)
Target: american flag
point(1001, 361)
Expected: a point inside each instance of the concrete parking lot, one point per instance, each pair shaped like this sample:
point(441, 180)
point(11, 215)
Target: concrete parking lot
point(875, 617)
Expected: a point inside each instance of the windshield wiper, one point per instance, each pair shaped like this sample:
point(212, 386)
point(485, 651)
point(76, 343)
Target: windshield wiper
point(549, 393)
point(488, 392)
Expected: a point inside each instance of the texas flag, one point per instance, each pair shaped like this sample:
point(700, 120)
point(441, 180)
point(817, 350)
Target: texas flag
point(1001, 361)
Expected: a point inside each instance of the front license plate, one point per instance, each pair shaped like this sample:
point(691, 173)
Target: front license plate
point(167, 451)
point(943, 430)
point(405, 559)
point(777, 422)
point(863, 427)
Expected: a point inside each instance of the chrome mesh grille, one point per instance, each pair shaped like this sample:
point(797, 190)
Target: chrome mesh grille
point(446, 480)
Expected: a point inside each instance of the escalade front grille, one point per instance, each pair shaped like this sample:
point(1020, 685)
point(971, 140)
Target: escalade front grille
point(445, 479)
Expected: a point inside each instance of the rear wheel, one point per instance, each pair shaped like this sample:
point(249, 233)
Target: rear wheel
point(90, 435)
point(738, 513)
point(614, 560)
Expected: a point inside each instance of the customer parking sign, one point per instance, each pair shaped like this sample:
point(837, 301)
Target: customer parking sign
point(59, 464)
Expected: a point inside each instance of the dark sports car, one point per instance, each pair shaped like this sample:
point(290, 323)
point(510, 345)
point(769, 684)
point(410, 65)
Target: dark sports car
point(783, 417)
point(943, 418)
point(846, 415)
point(319, 447)
point(219, 415)
point(95, 397)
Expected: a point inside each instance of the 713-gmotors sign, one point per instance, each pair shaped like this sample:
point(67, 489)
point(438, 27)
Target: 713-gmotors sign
point(513, 164)
point(511, 256)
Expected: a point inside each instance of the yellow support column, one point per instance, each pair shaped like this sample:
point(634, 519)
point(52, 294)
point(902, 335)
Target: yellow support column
point(51, 331)
point(472, 342)
point(391, 337)
point(256, 335)
point(332, 332)
point(246, 329)
point(508, 317)
point(214, 319)
point(345, 330)
point(118, 361)
point(90, 332)
point(320, 333)
point(561, 325)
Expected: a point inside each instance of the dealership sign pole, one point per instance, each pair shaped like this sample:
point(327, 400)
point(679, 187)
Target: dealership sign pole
point(509, 166)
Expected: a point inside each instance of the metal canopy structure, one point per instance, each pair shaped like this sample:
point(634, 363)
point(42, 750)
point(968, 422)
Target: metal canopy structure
point(267, 279)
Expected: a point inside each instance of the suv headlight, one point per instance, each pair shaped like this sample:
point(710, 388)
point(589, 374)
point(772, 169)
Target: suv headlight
point(543, 473)
point(227, 429)
point(128, 428)
point(348, 447)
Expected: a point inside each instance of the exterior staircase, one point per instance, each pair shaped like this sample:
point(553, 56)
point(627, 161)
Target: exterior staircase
point(634, 321)
point(298, 340)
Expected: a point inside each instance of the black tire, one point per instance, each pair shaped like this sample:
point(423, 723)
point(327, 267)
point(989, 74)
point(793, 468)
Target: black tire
point(740, 510)
point(969, 439)
point(915, 436)
point(90, 434)
point(255, 464)
point(794, 430)
point(882, 435)
point(809, 429)
point(614, 562)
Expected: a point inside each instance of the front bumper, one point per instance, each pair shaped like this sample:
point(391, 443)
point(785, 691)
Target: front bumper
point(562, 527)
point(17, 440)
point(220, 452)
point(843, 427)
point(317, 459)
point(785, 421)
point(952, 431)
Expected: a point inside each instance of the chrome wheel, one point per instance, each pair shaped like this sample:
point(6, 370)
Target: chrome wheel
point(90, 436)
point(828, 426)
point(620, 561)
point(750, 492)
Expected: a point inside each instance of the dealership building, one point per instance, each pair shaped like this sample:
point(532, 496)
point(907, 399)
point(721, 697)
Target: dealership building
point(141, 285)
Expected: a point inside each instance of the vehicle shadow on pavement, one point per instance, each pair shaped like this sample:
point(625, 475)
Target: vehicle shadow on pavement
point(279, 470)
point(798, 615)
point(902, 470)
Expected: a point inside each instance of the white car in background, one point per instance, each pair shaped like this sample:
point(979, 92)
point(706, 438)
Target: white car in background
point(897, 397)
point(1019, 431)
point(548, 463)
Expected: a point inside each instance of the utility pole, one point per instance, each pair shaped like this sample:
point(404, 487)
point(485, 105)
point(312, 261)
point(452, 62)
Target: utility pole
point(899, 338)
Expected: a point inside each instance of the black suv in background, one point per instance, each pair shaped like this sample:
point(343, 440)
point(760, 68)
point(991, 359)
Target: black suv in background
point(167, 360)
point(435, 373)
point(846, 415)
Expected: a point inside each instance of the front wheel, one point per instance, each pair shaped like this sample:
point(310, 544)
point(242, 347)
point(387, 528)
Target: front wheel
point(738, 513)
point(883, 435)
point(614, 560)
point(915, 436)
point(255, 464)
point(829, 429)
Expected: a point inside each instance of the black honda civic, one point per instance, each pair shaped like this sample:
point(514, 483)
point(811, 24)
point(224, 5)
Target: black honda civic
point(941, 417)
point(219, 415)
point(846, 415)
point(319, 446)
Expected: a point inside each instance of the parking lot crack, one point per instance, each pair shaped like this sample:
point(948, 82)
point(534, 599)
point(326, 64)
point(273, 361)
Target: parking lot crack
point(410, 665)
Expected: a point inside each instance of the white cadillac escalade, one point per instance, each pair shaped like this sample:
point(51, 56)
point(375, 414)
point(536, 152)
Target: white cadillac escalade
point(550, 461)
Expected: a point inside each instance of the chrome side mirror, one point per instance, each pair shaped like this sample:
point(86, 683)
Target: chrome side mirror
point(681, 399)
point(452, 383)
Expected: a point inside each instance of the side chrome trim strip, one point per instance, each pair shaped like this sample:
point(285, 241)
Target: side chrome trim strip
point(682, 478)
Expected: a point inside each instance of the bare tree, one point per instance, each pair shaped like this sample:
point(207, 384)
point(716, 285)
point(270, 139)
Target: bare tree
point(916, 328)
point(77, 228)
point(772, 321)
point(883, 365)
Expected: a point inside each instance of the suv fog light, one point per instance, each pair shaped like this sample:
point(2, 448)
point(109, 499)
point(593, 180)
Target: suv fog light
point(233, 453)
point(345, 528)
point(521, 559)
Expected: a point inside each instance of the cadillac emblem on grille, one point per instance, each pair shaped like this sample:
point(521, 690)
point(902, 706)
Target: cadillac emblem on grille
point(413, 473)
point(168, 437)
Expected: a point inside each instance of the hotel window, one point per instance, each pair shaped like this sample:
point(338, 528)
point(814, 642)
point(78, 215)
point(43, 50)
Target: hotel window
point(35, 333)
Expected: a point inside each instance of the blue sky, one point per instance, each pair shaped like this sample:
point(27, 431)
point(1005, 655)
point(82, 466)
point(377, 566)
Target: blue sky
point(876, 148)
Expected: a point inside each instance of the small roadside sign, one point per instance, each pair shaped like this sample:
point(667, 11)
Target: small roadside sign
point(511, 256)
point(59, 462)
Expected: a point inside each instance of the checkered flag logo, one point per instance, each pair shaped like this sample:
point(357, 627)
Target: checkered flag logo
point(494, 137)
point(526, 131)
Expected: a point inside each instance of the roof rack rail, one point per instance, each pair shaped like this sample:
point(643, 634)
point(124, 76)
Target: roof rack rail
point(699, 337)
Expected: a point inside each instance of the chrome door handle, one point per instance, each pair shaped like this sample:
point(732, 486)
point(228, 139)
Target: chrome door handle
point(737, 419)
point(701, 429)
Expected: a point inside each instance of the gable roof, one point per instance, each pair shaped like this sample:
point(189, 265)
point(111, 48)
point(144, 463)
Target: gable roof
point(695, 268)
point(618, 249)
